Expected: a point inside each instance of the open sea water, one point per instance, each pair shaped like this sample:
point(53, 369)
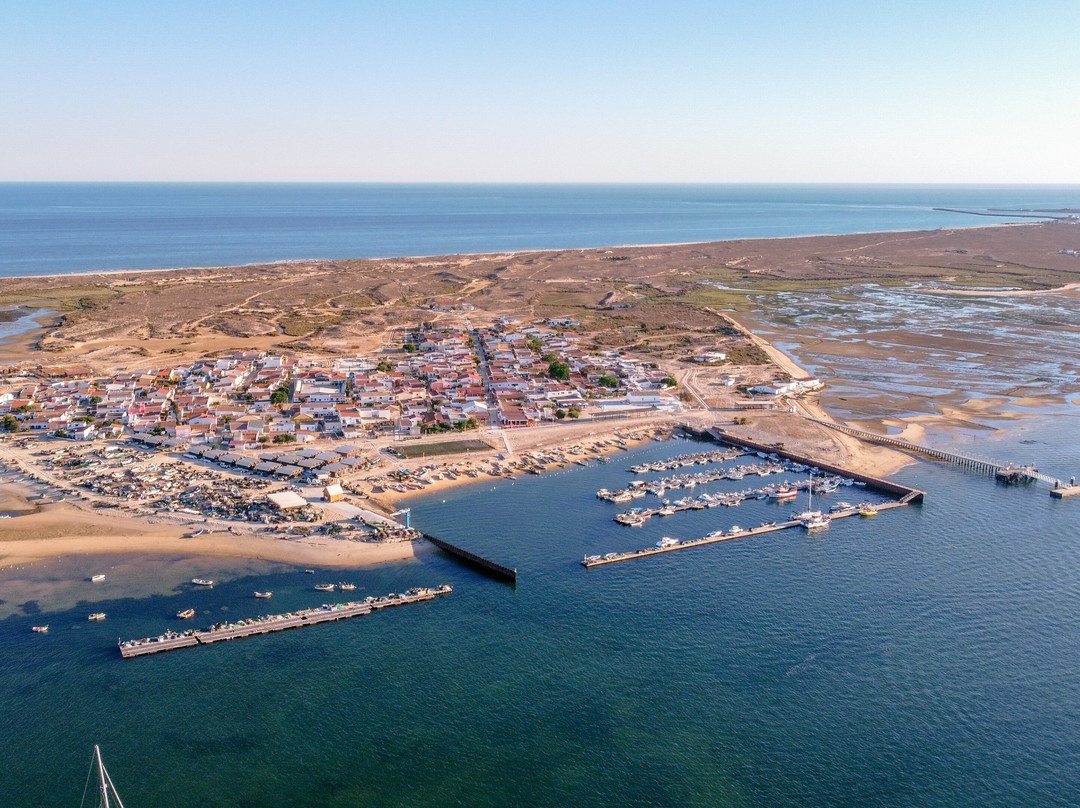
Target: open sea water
point(929, 657)
point(50, 228)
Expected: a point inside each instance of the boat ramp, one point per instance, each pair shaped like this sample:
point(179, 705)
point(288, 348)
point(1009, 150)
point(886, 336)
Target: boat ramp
point(171, 640)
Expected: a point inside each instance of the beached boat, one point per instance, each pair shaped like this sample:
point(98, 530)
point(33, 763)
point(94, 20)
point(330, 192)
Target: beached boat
point(185, 614)
point(263, 594)
point(41, 629)
point(97, 578)
point(96, 616)
point(324, 587)
point(202, 582)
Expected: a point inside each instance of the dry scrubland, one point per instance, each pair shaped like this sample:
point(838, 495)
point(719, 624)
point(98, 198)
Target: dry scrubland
point(664, 301)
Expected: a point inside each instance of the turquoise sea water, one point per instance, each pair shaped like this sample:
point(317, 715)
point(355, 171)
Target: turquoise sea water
point(61, 227)
point(930, 656)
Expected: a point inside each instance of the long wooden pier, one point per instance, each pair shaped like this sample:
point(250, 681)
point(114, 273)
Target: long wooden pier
point(266, 625)
point(1004, 471)
point(615, 558)
point(473, 560)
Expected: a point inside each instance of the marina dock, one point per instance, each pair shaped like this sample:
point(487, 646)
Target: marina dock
point(266, 625)
point(903, 492)
point(614, 558)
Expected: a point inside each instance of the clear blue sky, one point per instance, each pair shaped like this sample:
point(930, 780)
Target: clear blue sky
point(756, 91)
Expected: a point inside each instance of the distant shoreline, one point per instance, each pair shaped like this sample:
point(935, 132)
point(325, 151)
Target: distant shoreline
point(511, 253)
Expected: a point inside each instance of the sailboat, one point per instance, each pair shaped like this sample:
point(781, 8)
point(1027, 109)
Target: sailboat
point(108, 796)
point(811, 519)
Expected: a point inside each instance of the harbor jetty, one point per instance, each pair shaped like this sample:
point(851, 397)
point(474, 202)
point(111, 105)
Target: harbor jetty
point(475, 561)
point(326, 613)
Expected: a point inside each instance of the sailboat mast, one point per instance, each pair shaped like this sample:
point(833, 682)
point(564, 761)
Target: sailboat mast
point(105, 783)
point(102, 782)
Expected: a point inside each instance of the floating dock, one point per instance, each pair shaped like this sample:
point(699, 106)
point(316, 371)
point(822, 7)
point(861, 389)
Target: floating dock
point(614, 558)
point(266, 625)
point(473, 560)
point(903, 492)
point(1065, 491)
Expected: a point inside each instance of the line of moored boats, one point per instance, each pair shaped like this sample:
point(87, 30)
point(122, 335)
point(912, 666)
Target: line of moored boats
point(312, 614)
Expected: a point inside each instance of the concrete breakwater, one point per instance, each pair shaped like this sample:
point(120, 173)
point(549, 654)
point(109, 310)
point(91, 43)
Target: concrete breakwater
point(326, 613)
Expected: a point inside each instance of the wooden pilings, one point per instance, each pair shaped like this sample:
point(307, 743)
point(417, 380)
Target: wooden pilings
point(472, 559)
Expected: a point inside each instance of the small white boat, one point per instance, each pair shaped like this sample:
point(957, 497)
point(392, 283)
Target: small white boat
point(346, 587)
point(41, 629)
point(97, 579)
point(96, 616)
point(263, 594)
point(324, 587)
point(202, 582)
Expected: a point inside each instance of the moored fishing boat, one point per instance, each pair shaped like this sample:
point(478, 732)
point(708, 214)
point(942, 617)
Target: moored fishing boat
point(96, 616)
point(263, 594)
point(866, 509)
point(784, 492)
point(324, 587)
point(202, 582)
point(185, 614)
point(347, 587)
